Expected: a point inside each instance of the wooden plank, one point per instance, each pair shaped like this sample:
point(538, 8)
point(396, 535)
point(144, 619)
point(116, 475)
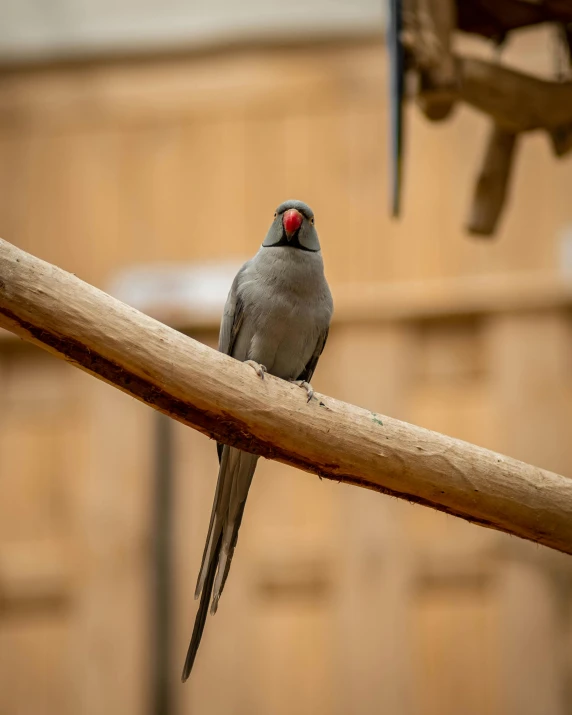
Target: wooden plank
point(374, 564)
point(170, 88)
point(112, 622)
point(530, 379)
point(36, 655)
point(456, 659)
point(531, 652)
point(135, 146)
point(41, 428)
point(408, 301)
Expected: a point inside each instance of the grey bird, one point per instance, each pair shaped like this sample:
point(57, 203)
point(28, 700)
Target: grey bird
point(276, 318)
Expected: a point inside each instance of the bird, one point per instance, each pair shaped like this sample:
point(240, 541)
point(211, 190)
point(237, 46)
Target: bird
point(276, 319)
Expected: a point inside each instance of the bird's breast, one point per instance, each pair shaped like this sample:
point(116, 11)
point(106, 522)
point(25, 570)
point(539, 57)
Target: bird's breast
point(286, 315)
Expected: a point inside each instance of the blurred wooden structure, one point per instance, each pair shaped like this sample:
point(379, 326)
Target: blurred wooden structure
point(422, 41)
point(402, 610)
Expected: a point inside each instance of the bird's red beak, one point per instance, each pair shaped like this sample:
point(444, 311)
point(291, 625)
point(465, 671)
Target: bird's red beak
point(292, 220)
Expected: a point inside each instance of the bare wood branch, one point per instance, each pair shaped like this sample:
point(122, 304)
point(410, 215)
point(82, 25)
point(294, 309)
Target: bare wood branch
point(428, 27)
point(517, 102)
point(492, 183)
point(225, 399)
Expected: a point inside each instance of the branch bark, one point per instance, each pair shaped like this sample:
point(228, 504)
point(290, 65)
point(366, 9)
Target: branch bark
point(226, 400)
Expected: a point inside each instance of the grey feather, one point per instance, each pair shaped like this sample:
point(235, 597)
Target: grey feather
point(232, 317)
point(277, 314)
point(308, 371)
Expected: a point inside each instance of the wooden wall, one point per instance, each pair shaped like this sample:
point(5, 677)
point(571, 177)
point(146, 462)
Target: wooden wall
point(74, 541)
point(102, 165)
point(344, 601)
point(340, 600)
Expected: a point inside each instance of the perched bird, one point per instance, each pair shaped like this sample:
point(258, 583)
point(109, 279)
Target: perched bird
point(276, 318)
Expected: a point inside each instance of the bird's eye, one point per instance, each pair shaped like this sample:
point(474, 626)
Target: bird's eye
point(312, 220)
point(275, 214)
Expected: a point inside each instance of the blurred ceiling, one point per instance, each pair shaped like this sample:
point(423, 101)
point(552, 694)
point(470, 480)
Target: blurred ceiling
point(51, 29)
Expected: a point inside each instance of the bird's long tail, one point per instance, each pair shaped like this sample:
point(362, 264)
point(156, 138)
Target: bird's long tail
point(234, 479)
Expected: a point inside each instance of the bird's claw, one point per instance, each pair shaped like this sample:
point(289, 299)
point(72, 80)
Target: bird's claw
point(306, 385)
point(259, 369)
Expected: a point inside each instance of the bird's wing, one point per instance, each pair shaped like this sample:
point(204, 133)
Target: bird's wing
point(308, 371)
point(232, 318)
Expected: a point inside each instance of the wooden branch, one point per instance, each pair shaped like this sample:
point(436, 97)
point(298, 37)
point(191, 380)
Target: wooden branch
point(428, 27)
point(492, 183)
point(517, 102)
point(225, 399)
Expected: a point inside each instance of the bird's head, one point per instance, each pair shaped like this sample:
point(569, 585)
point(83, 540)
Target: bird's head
point(293, 226)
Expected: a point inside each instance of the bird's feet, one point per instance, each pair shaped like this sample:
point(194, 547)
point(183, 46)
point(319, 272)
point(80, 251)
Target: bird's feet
point(259, 369)
point(306, 385)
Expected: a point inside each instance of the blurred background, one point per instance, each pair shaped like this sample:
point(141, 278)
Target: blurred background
point(144, 146)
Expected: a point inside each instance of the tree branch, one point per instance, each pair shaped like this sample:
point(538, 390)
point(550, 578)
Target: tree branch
point(226, 400)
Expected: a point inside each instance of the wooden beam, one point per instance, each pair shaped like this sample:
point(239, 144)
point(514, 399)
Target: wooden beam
point(430, 299)
point(226, 400)
point(516, 101)
point(484, 295)
point(493, 182)
point(428, 28)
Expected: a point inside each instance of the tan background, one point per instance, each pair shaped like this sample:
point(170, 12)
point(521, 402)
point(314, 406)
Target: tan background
point(340, 600)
